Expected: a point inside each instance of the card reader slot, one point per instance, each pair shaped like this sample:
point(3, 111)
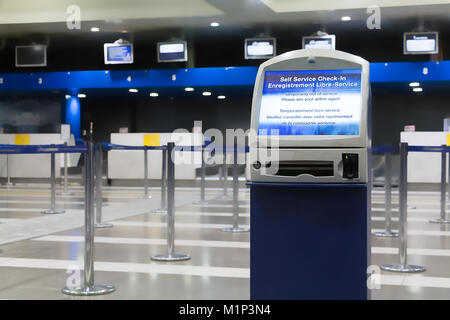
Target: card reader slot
point(314, 168)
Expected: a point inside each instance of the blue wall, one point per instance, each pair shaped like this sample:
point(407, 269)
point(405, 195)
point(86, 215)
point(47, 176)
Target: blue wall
point(71, 82)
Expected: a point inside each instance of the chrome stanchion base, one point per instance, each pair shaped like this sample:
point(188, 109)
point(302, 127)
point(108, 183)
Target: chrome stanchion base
point(50, 211)
point(9, 184)
point(170, 257)
point(103, 225)
point(440, 221)
point(384, 234)
point(145, 197)
point(402, 268)
point(89, 291)
point(160, 211)
point(239, 229)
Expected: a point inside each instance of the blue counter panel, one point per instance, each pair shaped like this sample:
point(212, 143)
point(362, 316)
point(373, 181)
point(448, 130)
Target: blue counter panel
point(218, 76)
point(308, 241)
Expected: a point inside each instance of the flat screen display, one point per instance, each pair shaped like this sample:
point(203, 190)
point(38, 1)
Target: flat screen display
point(420, 43)
point(311, 102)
point(31, 56)
point(116, 54)
point(260, 48)
point(172, 51)
point(319, 42)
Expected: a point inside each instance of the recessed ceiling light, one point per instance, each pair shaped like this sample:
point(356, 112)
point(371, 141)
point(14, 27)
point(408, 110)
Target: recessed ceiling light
point(154, 94)
point(206, 93)
point(346, 18)
point(214, 24)
point(81, 95)
point(221, 97)
point(133, 90)
point(95, 29)
point(68, 96)
point(414, 84)
point(188, 89)
point(417, 89)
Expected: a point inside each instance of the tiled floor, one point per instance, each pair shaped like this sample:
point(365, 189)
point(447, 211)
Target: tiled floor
point(39, 267)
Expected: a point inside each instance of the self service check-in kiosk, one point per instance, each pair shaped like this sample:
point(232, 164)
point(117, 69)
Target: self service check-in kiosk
point(310, 182)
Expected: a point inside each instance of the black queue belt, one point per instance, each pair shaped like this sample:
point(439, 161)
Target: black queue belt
point(88, 287)
point(403, 266)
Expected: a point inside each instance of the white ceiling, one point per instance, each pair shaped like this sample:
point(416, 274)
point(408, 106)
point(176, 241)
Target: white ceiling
point(48, 11)
point(284, 6)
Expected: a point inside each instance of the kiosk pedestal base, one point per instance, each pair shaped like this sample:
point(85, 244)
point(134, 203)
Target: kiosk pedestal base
point(308, 241)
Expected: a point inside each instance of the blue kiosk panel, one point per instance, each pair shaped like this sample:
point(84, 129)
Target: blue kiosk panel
point(316, 232)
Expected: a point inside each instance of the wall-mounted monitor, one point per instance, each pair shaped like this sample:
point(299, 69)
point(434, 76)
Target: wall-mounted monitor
point(31, 56)
point(174, 51)
point(118, 53)
point(420, 43)
point(319, 42)
point(260, 48)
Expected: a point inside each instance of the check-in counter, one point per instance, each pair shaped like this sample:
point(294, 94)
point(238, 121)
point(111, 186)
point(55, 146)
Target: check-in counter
point(129, 164)
point(424, 167)
point(34, 165)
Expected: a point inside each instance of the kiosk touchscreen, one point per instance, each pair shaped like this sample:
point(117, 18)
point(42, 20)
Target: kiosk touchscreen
point(310, 182)
point(310, 108)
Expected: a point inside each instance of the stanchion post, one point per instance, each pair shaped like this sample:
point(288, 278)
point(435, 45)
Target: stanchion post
point(83, 171)
point(8, 175)
point(98, 188)
point(388, 198)
point(224, 169)
point(202, 178)
point(235, 227)
point(170, 255)
point(89, 288)
point(146, 195)
point(65, 191)
point(403, 219)
point(52, 209)
point(163, 208)
point(443, 219)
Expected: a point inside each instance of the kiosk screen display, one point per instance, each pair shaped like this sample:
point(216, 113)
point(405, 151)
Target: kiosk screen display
point(311, 102)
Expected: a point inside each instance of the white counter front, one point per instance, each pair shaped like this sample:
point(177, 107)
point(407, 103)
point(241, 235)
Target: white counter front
point(35, 165)
point(424, 167)
point(129, 164)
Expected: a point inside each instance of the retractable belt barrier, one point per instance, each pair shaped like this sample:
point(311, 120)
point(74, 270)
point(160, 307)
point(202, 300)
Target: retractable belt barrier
point(43, 149)
point(168, 179)
point(403, 193)
point(89, 288)
point(443, 150)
